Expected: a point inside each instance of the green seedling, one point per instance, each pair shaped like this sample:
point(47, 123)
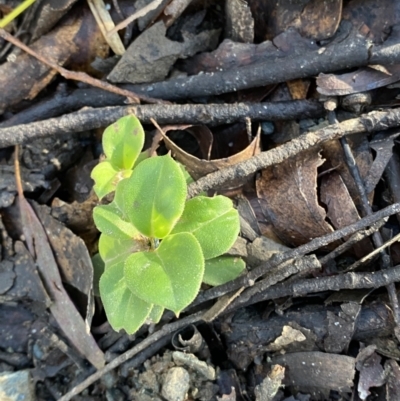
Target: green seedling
point(156, 247)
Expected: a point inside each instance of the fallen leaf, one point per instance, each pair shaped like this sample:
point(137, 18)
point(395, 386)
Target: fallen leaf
point(361, 80)
point(174, 10)
point(150, 57)
point(341, 209)
point(289, 335)
point(268, 388)
point(74, 41)
point(62, 308)
point(341, 327)
point(333, 152)
point(72, 258)
point(289, 199)
point(198, 168)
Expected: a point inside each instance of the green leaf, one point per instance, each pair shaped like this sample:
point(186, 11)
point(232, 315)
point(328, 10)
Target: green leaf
point(106, 178)
point(154, 196)
point(109, 220)
point(171, 275)
point(124, 310)
point(123, 141)
point(213, 221)
point(156, 313)
point(113, 251)
point(222, 269)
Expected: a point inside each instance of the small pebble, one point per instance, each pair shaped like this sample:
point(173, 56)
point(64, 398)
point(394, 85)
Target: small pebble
point(192, 362)
point(267, 128)
point(16, 386)
point(176, 384)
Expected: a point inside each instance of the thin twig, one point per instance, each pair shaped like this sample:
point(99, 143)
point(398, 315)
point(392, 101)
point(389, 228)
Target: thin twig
point(374, 121)
point(140, 13)
point(166, 330)
point(307, 263)
point(376, 251)
point(333, 283)
point(279, 258)
point(165, 114)
point(354, 239)
point(376, 236)
point(78, 76)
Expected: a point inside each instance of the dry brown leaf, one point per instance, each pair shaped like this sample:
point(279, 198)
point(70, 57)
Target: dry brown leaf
point(62, 308)
point(363, 79)
point(47, 16)
point(23, 77)
point(150, 57)
point(71, 255)
point(341, 209)
point(268, 388)
point(289, 335)
point(334, 155)
point(198, 168)
point(320, 19)
point(341, 327)
point(288, 194)
point(316, 19)
point(298, 88)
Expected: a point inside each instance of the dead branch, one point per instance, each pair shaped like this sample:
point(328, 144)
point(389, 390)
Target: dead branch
point(355, 51)
point(374, 121)
point(349, 281)
point(354, 239)
point(277, 259)
point(164, 114)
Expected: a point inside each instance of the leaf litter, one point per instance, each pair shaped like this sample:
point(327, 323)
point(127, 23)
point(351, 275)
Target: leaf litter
point(311, 196)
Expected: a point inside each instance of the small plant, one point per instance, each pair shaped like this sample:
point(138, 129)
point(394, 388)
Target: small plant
point(157, 247)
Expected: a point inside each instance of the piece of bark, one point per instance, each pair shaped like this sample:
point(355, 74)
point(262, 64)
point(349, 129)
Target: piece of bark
point(239, 24)
point(250, 332)
point(393, 382)
point(318, 370)
point(341, 327)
